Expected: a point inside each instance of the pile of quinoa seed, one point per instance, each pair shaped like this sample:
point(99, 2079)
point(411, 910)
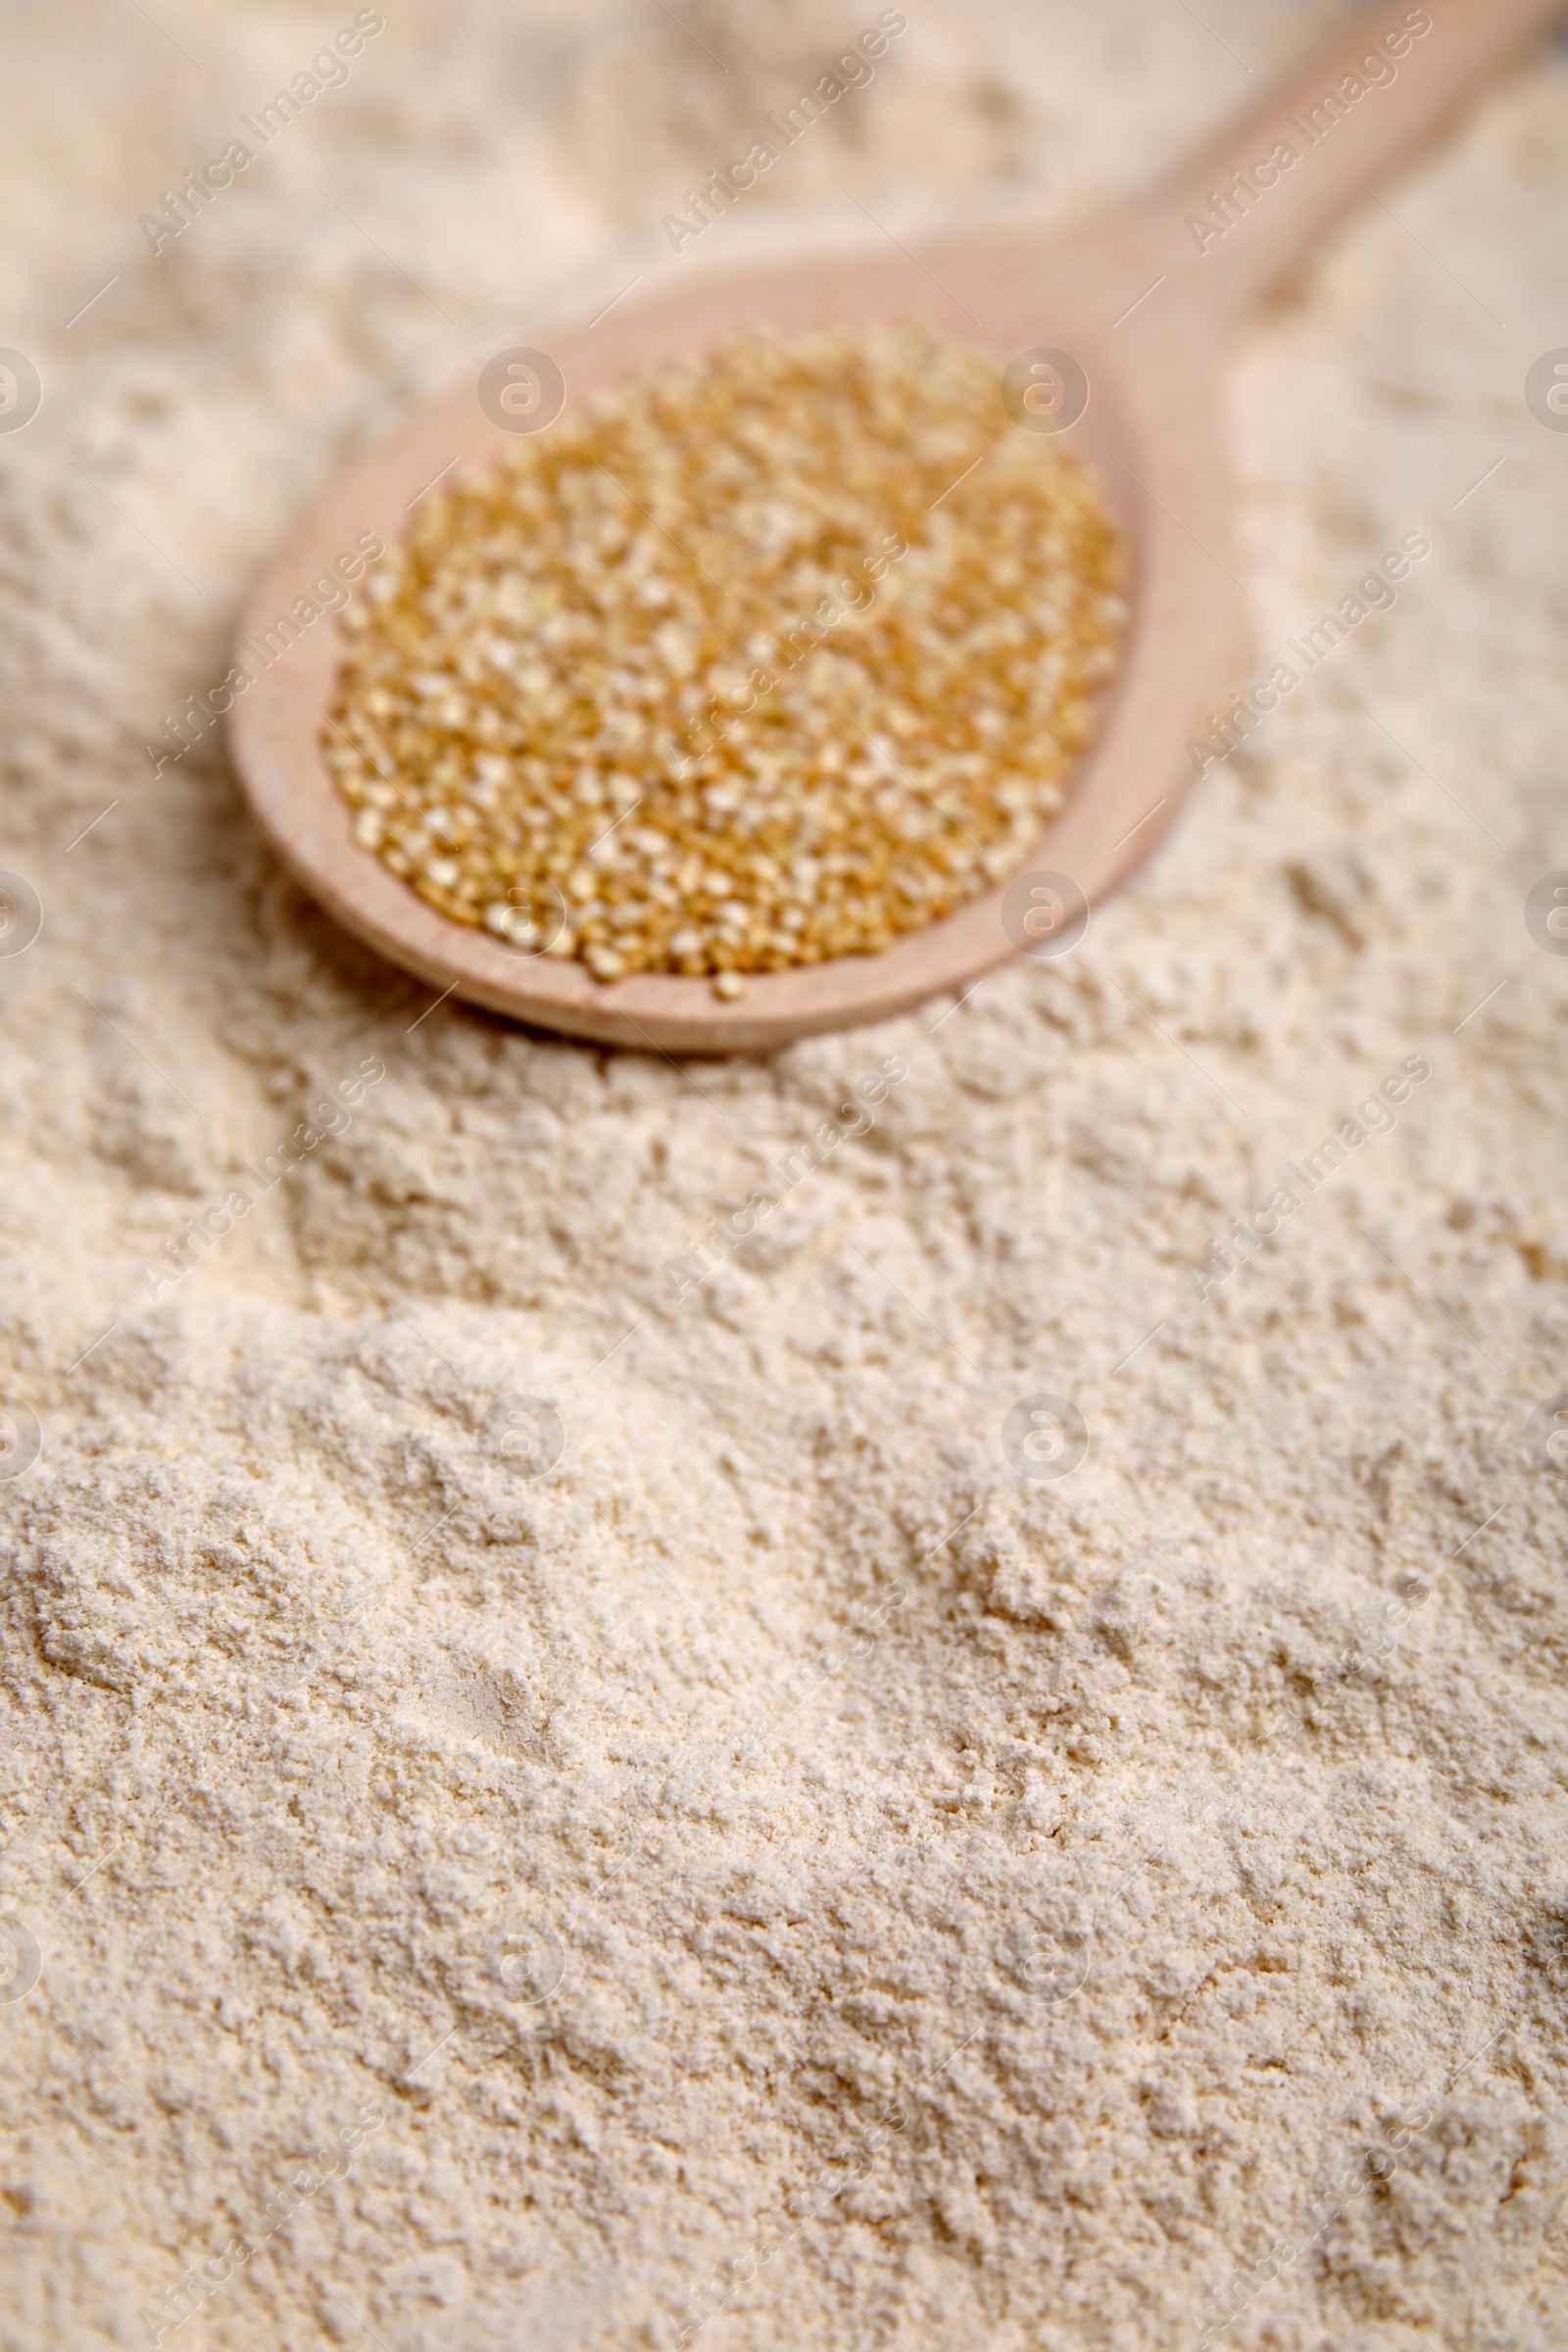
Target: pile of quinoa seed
point(741, 668)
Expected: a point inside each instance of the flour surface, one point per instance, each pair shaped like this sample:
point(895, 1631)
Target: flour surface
point(778, 1879)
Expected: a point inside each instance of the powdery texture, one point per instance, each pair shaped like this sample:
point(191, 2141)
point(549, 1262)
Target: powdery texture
point(1109, 1909)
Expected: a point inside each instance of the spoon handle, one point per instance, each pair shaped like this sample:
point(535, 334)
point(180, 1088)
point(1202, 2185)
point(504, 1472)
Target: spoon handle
point(1235, 217)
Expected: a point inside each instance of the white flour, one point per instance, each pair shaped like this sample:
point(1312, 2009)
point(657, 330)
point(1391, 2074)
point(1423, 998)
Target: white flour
point(777, 1875)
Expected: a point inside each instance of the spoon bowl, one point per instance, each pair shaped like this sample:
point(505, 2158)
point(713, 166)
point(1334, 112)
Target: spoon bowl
point(1138, 298)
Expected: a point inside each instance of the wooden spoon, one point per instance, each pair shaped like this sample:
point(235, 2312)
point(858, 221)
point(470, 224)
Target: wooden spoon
point(1142, 298)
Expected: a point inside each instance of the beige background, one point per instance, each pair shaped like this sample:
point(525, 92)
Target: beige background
point(308, 1702)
